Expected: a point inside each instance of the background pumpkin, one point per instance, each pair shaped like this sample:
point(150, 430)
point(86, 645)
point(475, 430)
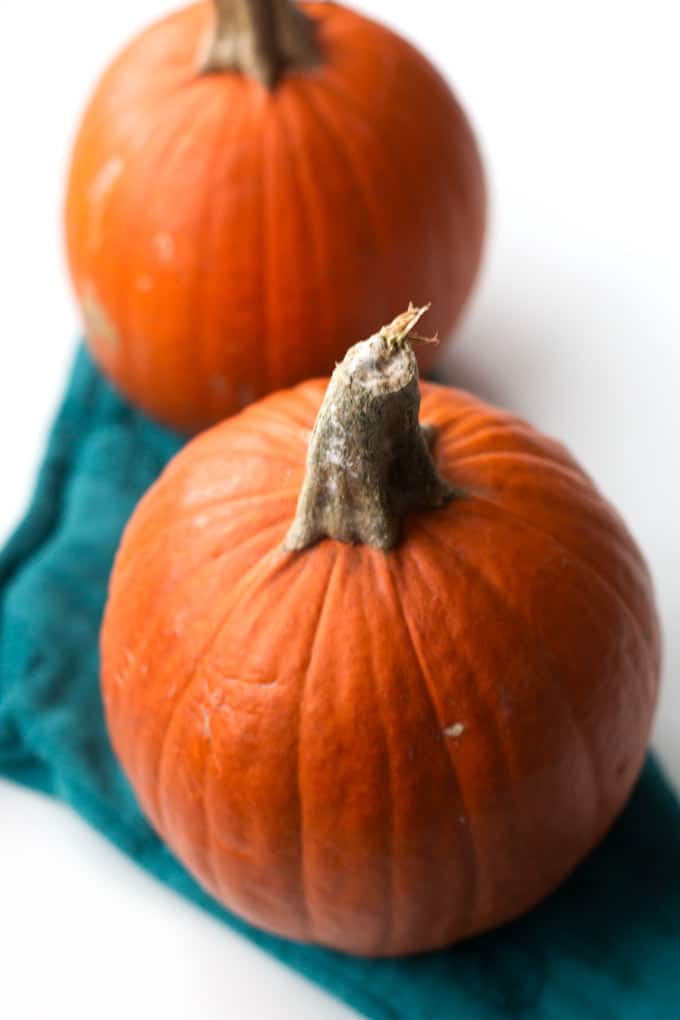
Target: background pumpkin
point(230, 233)
point(379, 749)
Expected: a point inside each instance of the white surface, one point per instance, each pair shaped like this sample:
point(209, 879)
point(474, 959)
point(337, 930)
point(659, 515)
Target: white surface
point(576, 325)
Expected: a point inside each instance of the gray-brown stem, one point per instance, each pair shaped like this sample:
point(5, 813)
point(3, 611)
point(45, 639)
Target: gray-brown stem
point(369, 461)
point(261, 38)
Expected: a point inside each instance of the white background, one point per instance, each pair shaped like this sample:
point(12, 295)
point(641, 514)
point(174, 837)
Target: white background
point(575, 324)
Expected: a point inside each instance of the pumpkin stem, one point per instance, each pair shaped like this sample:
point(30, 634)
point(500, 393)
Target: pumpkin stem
point(369, 461)
point(260, 38)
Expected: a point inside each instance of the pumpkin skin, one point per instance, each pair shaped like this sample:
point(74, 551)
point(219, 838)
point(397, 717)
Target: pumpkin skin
point(204, 212)
point(380, 752)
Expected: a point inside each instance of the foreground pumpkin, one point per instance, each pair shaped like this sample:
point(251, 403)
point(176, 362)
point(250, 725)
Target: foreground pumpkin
point(263, 171)
point(382, 688)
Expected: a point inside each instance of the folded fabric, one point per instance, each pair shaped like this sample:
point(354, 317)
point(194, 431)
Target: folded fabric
point(606, 945)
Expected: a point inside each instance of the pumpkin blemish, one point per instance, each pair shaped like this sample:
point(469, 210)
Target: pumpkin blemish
point(98, 323)
point(105, 179)
point(164, 246)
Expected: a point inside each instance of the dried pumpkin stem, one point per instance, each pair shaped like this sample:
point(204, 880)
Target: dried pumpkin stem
point(369, 461)
point(261, 38)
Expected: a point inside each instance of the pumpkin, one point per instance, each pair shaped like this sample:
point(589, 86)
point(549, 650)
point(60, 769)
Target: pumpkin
point(379, 685)
point(254, 187)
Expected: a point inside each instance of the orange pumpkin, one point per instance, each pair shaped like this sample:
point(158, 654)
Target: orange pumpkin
point(228, 237)
point(405, 733)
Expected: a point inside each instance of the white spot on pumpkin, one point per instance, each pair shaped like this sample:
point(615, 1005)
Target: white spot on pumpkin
point(98, 192)
point(221, 489)
point(98, 323)
point(200, 520)
point(144, 283)
point(122, 675)
point(164, 246)
point(179, 622)
point(205, 722)
point(455, 730)
point(105, 179)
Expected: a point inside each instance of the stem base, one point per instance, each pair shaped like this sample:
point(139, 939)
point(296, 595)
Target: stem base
point(260, 38)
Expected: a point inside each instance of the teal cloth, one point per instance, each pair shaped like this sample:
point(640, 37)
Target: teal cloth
point(606, 945)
